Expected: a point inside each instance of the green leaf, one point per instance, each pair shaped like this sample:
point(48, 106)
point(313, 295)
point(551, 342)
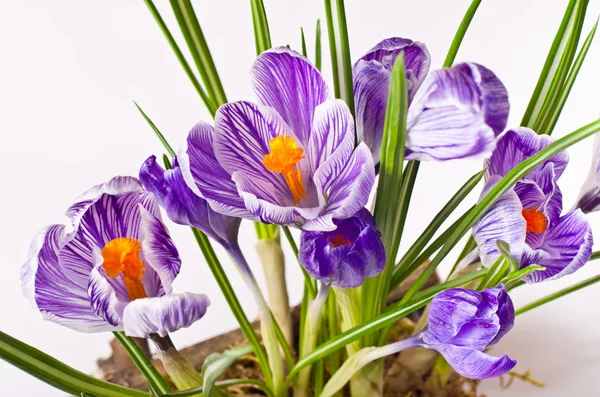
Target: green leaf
point(222, 384)
point(56, 373)
point(390, 190)
point(87, 395)
point(190, 27)
point(558, 57)
point(159, 134)
point(499, 269)
point(351, 366)
point(460, 33)
point(181, 58)
point(304, 52)
point(142, 362)
point(166, 162)
point(496, 192)
point(339, 44)
point(558, 294)
point(318, 45)
point(516, 276)
point(433, 227)
point(262, 35)
point(504, 250)
point(216, 364)
point(568, 85)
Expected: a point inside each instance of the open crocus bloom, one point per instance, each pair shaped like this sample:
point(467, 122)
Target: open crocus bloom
point(589, 197)
point(113, 270)
point(346, 256)
point(454, 113)
point(528, 217)
point(290, 160)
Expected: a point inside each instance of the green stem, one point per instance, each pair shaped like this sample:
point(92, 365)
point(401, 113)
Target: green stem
point(142, 362)
point(56, 373)
point(558, 294)
point(224, 384)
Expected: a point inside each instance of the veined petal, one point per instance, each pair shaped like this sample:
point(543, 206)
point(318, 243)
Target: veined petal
point(51, 291)
point(503, 221)
point(474, 364)
point(589, 196)
point(242, 136)
point(518, 144)
point(158, 250)
point(568, 246)
point(349, 192)
point(163, 315)
point(371, 85)
point(331, 143)
point(448, 312)
point(103, 297)
point(204, 175)
point(457, 113)
point(286, 81)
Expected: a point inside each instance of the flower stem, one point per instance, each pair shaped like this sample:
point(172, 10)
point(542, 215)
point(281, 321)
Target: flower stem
point(180, 370)
point(309, 338)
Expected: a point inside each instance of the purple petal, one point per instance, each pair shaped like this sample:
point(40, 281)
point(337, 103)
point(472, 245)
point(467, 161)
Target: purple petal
point(568, 246)
point(103, 297)
point(589, 196)
point(349, 192)
point(163, 315)
point(289, 83)
point(503, 221)
point(457, 113)
point(205, 176)
point(477, 333)
point(242, 136)
point(371, 85)
point(448, 312)
point(505, 312)
point(47, 286)
point(519, 144)
point(158, 250)
point(474, 364)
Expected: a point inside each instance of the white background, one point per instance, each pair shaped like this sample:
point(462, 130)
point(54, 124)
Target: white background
point(69, 71)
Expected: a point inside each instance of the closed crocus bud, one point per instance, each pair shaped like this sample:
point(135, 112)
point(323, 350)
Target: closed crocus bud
point(462, 323)
point(346, 256)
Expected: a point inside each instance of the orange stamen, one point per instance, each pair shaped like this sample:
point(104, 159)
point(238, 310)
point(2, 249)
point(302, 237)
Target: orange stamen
point(122, 256)
point(536, 220)
point(339, 240)
point(283, 158)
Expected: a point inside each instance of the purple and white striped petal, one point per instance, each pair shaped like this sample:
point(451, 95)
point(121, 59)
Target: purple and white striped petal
point(589, 196)
point(51, 291)
point(475, 364)
point(103, 296)
point(331, 144)
point(519, 144)
point(163, 315)
point(287, 82)
point(567, 247)
point(457, 113)
point(158, 250)
point(448, 312)
point(242, 135)
point(372, 80)
point(503, 221)
point(204, 175)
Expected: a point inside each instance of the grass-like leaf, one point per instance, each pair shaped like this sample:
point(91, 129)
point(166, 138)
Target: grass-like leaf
point(216, 364)
point(159, 134)
point(460, 33)
point(56, 373)
point(318, 50)
point(262, 34)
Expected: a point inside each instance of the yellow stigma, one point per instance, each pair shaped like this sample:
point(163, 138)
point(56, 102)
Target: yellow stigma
point(122, 256)
point(536, 220)
point(283, 158)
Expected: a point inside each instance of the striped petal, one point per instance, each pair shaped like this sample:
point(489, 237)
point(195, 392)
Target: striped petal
point(287, 82)
point(163, 315)
point(457, 113)
point(589, 196)
point(103, 296)
point(475, 364)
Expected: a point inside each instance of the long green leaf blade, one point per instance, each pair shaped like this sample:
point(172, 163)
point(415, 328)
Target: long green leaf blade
point(460, 33)
point(154, 378)
point(262, 34)
point(56, 373)
point(159, 134)
point(190, 27)
point(318, 50)
point(181, 58)
point(503, 185)
point(216, 364)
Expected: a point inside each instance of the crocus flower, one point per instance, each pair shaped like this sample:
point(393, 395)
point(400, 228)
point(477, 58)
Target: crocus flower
point(589, 197)
point(289, 160)
point(112, 269)
point(346, 256)
point(454, 112)
point(461, 325)
point(528, 217)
